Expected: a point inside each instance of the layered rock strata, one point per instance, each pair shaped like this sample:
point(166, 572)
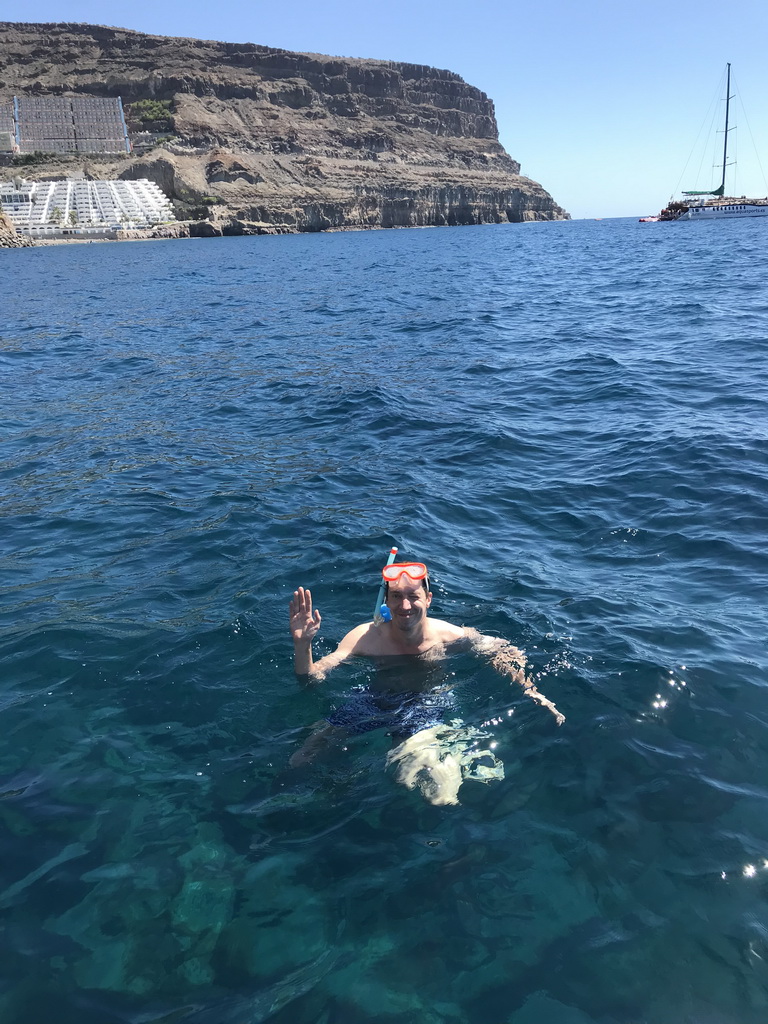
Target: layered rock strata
point(269, 140)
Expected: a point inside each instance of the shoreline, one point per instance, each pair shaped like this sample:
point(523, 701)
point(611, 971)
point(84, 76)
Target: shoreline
point(46, 242)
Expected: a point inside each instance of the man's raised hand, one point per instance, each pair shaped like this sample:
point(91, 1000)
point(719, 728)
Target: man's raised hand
point(304, 622)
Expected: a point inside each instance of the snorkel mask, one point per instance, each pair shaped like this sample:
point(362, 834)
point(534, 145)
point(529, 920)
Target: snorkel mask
point(391, 573)
point(415, 571)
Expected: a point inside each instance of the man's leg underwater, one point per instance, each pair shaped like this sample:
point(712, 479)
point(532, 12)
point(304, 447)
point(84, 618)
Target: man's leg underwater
point(323, 738)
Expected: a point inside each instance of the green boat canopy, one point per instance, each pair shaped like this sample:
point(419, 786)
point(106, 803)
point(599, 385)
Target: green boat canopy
point(715, 192)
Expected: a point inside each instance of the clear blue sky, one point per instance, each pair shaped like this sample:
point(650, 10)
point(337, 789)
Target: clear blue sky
point(601, 102)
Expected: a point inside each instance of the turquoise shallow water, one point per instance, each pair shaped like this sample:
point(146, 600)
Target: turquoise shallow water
point(567, 422)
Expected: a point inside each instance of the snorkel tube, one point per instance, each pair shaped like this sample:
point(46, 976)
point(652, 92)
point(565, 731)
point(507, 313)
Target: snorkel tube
point(381, 613)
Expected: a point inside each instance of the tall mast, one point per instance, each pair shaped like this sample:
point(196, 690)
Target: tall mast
point(725, 140)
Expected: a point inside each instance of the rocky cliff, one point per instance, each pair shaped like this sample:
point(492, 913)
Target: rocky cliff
point(9, 238)
point(252, 138)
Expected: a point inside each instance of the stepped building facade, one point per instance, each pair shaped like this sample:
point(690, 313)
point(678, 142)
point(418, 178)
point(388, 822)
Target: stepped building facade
point(78, 207)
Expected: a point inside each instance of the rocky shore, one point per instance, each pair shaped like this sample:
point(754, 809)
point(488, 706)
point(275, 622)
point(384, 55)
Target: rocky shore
point(9, 237)
point(258, 140)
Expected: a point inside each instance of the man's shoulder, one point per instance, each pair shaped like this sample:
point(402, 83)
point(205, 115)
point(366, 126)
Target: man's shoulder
point(356, 637)
point(367, 641)
point(470, 638)
point(446, 632)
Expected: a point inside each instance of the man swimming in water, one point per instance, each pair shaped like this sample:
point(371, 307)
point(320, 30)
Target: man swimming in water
point(410, 637)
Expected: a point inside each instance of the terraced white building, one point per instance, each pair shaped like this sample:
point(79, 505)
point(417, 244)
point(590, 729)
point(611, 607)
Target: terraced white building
point(78, 207)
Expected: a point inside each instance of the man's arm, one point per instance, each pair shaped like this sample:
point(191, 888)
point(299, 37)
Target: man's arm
point(304, 626)
point(510, 661)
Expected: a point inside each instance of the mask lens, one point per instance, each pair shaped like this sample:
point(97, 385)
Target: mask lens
point(415, 571)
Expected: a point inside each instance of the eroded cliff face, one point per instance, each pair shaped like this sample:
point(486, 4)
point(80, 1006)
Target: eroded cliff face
point(9, 238)
point(266, 139)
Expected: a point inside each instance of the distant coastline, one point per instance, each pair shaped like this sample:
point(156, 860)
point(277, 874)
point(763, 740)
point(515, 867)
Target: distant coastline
point(249, 139)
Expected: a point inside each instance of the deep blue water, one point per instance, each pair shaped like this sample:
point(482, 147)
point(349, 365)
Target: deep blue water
point(568, 423)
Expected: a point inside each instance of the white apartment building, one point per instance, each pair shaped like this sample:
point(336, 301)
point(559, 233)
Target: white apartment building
point(79, 207)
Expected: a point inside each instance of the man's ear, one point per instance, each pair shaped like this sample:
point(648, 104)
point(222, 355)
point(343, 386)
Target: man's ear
point(429, 598)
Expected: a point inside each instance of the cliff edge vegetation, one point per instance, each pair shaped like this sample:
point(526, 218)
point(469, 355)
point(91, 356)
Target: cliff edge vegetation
point(246, 138)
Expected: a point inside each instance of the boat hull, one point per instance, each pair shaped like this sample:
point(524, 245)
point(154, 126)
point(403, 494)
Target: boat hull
point(729, 211)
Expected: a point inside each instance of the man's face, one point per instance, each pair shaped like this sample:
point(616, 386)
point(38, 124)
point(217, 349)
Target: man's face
point(408, 602)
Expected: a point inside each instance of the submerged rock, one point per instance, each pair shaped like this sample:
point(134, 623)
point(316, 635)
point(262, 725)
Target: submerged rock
point(282, 924)
point(203, 908)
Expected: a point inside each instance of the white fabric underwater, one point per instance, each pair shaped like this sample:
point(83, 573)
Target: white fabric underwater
point(439, 759)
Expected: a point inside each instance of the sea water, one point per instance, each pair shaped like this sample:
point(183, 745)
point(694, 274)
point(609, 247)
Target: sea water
point(567, 422)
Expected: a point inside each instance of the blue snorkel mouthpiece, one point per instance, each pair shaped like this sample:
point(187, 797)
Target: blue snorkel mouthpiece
point(380, 612)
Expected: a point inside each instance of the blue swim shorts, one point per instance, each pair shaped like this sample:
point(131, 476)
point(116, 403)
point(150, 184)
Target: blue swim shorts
point(401, 714)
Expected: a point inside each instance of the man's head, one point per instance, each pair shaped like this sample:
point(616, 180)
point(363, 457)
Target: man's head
point(407, 593)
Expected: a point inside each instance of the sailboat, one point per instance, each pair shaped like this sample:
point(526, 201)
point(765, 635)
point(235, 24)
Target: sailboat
point(696, 205)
